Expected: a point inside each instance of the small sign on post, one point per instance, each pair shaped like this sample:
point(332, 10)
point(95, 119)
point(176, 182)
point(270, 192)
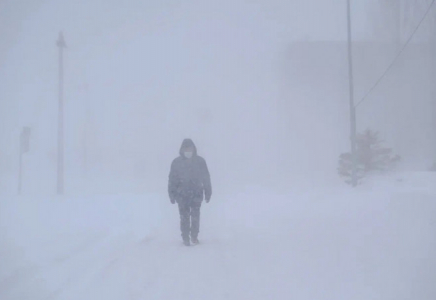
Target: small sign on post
point(24, 148)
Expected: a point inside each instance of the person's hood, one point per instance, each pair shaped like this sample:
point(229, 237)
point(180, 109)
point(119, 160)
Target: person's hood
point(187, 143)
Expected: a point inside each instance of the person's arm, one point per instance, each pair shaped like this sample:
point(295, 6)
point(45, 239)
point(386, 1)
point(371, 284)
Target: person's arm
point(206, 182)
point(172, 183)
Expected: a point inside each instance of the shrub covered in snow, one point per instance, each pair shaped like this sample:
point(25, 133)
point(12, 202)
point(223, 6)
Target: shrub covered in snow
point(371, 156)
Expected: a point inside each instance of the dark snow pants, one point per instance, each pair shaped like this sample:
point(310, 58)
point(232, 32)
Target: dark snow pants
point(189, 217)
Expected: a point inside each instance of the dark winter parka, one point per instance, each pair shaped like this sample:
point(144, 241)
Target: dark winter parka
point(189, 178)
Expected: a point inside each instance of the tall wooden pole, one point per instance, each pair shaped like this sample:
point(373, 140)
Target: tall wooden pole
point(352, 107)
point(60, 165)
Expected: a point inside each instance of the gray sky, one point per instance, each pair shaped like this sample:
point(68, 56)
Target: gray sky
point(91, 21)
point(143, 73)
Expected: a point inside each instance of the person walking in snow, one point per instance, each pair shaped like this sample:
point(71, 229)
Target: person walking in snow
point(188, 184)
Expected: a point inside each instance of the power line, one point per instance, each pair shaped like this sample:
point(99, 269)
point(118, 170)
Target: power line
point(398, 55)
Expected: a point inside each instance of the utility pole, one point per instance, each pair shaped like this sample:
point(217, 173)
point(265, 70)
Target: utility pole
point(432, 34)
point(60, 167)
point(352, 107)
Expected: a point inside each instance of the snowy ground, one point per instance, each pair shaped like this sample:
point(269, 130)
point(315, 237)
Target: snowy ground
point(376, 242)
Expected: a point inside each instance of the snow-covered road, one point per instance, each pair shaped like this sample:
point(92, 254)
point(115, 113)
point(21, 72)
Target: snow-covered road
point(325, 244)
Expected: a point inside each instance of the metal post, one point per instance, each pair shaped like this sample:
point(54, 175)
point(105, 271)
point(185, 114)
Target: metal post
point(60, 167)
point(352, 107)
point(20, 171)
point(24, 148)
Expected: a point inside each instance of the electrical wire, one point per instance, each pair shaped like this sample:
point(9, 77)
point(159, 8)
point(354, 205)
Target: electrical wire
point(397, 56)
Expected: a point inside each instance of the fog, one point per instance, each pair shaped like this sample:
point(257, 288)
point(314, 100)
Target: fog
point(248, 81)
point(262, 88)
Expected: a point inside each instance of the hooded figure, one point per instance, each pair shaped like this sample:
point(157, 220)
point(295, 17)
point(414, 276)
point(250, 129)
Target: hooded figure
point(188, 184)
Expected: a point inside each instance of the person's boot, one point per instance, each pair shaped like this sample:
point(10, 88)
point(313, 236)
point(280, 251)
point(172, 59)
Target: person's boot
point(194, 241)
point(186, 242)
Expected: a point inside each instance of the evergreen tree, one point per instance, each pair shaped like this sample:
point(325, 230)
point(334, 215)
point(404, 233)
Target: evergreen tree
point(371, 156)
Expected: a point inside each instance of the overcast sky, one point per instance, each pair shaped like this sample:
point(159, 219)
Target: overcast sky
point(159, 70)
